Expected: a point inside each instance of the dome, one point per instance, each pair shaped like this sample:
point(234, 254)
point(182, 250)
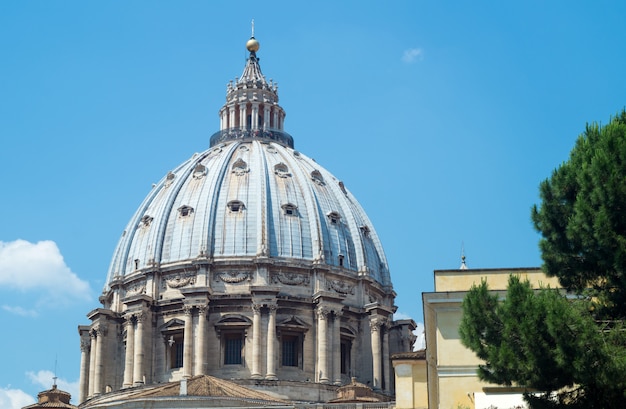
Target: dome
point(248, 261)
point(250, 195)
point(250, 198)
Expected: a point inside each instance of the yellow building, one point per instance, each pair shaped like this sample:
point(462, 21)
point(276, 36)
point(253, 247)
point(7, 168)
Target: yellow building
point(444, 375)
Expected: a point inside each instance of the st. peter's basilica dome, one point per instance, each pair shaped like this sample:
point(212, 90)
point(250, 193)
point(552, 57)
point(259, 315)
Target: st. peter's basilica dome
point(249, 261)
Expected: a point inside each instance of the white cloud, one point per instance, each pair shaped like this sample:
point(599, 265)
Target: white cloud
point(44, 379)
point(14, 398)
point(412, 54)
point(420, 341)
point(39, 267)
point(20, 311)
point(401, 316)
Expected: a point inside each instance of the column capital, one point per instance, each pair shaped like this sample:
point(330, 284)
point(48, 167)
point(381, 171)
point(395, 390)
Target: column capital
point(256, 308)
point(322, 312)
point(97, 331)
point(140, 316)
point(376, 323)
point(85, 344)
point(188, 309)
point(202, 309)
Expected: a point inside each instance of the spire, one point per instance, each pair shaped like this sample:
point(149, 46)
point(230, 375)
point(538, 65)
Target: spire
point(463, 265)
point(251, 109)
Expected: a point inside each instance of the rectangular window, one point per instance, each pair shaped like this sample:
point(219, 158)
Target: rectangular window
point(345, 356)
point(178, 361)
point(232, 349)
point(291, 349)
point(176, 351)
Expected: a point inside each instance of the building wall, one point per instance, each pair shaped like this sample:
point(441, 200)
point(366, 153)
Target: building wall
point(411, 381)
point(452, 368)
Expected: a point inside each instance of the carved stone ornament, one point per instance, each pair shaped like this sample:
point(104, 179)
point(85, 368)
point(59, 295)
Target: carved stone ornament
point(181, 280)
point(322, 312)
point(339, 286)
point(233, 277)
point(138, 287)
point(376, 324)
point(291, 278)
point(85, 344)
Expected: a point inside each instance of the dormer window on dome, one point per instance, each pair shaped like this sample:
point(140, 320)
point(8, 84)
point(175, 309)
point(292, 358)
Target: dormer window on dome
point(169, 179)
point(236, 206)
point(333, 217)
point(199, 171)
point(281, 170)
point(365, 231)
point(290, 209)
point(240, 167)
point(185, 211)
point(146, 220)
point(317, 177)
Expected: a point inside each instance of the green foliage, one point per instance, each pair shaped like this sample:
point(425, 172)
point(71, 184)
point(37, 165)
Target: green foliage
point(572, 351)
point(541, 340)
point(582, 218)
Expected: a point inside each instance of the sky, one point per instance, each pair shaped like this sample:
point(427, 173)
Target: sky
point(442, 118)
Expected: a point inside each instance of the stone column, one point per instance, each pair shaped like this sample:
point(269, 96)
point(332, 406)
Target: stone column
point(83, 385)
point(188, 341)
point(92, 362)
point(231, 116)
point(130, 352)
point(254, 123)
point(98, 373)
point(266, 116)
point(271, 344)
point(337, 348)
point(375, 325)
point(200, 355)
point(242, 116)
point(275, 117)
point(256, 342)
point(386, 361)
point(322, 344)
point(138, 349)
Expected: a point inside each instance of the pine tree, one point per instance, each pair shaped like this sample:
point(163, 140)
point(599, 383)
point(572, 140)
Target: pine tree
point(569, 350)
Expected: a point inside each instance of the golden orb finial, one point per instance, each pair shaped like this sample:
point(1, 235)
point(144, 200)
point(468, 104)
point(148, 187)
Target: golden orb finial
point(253, 45)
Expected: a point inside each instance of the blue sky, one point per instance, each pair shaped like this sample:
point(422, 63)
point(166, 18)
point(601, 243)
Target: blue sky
point(442, 118)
